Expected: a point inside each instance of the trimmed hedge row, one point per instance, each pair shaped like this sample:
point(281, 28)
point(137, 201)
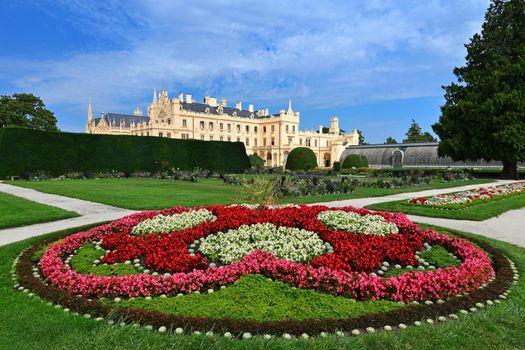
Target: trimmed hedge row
point(355, 161)
point(25, 150)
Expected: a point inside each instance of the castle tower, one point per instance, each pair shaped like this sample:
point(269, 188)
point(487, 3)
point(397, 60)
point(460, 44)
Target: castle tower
point(334, 125)
point(290, 106)
point(90, 121)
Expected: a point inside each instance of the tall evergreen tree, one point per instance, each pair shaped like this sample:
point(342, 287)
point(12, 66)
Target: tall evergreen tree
point(484, 113)
point(27, 111)
point(414, 134)
point(362, 140)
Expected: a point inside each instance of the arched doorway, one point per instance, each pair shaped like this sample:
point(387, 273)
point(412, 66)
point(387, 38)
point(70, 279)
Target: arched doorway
point(397, 158)
point(275, 160)
point(268, 159)
point(327, 160)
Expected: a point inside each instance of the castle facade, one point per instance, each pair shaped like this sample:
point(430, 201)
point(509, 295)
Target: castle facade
point(271, 136)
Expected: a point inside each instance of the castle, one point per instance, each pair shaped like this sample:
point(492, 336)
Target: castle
point(271, 136)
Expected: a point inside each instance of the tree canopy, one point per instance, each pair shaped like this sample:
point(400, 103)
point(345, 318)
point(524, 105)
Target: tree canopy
point(484, 112)
point(361, 138)
point(415, 134)
point(390, 140)
point(27, 111)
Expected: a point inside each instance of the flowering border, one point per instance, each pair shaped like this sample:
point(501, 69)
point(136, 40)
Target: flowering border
point(325, 273)
point(506, 274)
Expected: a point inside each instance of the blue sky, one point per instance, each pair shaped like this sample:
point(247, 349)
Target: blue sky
point(376, 64)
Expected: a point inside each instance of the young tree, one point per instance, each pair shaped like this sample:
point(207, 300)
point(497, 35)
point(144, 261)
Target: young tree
point(484, 113)
point(361, 138)
point(414, 134)
point(390, 140)
point(26, 110)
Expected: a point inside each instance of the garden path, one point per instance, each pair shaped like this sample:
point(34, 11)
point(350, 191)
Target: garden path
point(90, 213)
point(508, 227)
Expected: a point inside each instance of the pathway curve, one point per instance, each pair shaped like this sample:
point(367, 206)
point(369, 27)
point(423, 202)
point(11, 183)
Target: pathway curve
point(90, 213)
point(508, 227)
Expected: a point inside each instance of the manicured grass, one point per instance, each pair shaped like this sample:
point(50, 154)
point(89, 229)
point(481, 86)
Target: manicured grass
point(158, 194)
point(27, 323)
point(259, 298)
point(16, 211)
point(477, 212)
point(439, 257)
point(83, 263)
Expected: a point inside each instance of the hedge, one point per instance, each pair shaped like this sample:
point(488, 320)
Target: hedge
point(301, 158)
point(26, 150)
point(355, 161)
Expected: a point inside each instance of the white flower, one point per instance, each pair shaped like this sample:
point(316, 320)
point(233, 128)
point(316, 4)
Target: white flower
point(284, 242)
point(162, 329)
point(339, 220)
point(177, 222)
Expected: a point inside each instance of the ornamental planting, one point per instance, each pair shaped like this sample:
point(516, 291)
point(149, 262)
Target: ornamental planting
point(340, 252)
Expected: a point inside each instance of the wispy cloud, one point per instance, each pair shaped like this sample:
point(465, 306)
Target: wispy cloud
point(320, 53)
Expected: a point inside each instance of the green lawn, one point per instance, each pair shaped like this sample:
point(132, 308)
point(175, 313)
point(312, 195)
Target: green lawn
point(158, 194)
point(27, 323)
point(476, 212)
point(16, 211)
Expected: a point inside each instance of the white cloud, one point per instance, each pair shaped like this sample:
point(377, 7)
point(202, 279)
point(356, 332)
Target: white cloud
point(321, 54)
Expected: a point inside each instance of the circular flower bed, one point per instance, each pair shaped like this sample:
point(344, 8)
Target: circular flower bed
point(384, 270)
point(340, 252)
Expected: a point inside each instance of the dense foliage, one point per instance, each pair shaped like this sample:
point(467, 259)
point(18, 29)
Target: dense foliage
point(256, 161)
point(26, 150)
point(301, 158)
point(26, 111)
point(355, 161)
point(415, 135)
point(484, 113)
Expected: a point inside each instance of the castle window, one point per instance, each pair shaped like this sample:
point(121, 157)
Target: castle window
point(255, 142)
point(168, 135)
point(207, 111)
point(141, 134)
point(308, 142)
point(247, 141)
point(315, 143)
point(287, 127)
point(160, 134)
point(229, 127)
point(238, 128)
point(169, 121)
point(222, 138)
point(273, 128)
point(293, 129)
point(273, 141)
point(301, 142)
point(234, 114)
point(229, 139)
point(202, 137)
point(147, 134)
point(264, 141)
point(290, 139)
point(210, 125)
point(211, 137)
point(221, 126)
point(184, 124)
point(238, 139)
point(264, 128)
point(255, 129)
point(202, 125)
point(247, 128)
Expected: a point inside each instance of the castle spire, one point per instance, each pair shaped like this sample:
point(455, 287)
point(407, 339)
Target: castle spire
point(90, 111)
point(154, 95)
point(290, 106)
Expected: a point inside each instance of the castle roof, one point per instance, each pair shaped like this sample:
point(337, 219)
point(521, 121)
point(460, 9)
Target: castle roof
point(201, 108)
point(127, 119)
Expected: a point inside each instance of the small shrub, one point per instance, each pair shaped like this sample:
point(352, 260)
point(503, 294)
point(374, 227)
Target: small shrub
point(256, 161)
point(355, 161)
point(301, 158)
point(336, 166)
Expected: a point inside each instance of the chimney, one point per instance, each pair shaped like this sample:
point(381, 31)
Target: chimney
point(238, 105)
point(206, 100)
point(212, 101)
point(188, 98)
point(181, 96)
point(250, 108)
point(223, 102)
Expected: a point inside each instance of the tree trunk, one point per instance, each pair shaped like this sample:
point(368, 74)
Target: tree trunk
point(510, 171)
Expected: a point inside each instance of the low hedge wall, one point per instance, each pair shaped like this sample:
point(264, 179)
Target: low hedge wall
point(25, 150)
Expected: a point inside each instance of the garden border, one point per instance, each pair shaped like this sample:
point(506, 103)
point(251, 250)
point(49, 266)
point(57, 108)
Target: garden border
point(505, 272)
